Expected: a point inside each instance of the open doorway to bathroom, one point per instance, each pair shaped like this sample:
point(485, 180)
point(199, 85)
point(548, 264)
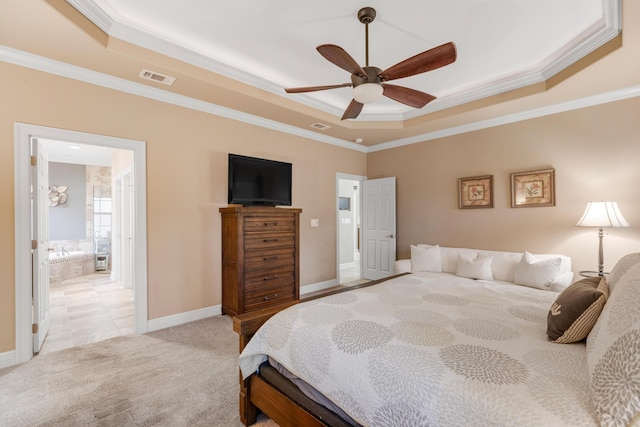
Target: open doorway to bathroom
point(100, 233)
point(88, 300)
point(348, 204)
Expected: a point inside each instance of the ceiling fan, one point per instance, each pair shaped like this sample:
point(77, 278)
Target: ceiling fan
point(369, 82)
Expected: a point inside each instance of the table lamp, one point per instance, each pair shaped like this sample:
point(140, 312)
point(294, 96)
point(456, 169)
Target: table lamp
point(602, 214)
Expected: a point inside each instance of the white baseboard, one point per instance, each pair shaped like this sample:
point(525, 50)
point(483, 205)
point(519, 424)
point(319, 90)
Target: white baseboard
point(320, 286)
point(186, 317)
point(8, 358)
point(216, 310)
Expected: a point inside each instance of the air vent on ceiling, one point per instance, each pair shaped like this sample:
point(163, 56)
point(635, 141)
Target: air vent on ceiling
point(320, 126)
point(157, 77)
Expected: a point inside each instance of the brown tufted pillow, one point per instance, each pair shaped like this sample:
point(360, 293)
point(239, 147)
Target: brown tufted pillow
point(576, 310)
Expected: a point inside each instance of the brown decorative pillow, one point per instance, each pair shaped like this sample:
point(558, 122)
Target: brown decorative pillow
point(576, 310)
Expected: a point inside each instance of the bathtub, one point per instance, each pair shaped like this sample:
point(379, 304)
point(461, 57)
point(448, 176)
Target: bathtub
point(69, 254)
point(70, 265)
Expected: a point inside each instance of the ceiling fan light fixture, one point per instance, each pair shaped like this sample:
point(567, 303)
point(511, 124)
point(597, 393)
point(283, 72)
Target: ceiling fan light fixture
point(370, 83)
point(367, 92)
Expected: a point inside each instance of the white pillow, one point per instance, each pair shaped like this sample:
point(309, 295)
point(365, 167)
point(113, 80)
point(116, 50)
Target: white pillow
point(450, 257)
point(478, 268)
point(426, 259)
point(537, 273)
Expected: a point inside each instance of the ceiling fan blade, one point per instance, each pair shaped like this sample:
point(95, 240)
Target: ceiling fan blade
point(315, 88)
point(353, 110)
point(405, 95)
point(341, 58)
point(426, 61)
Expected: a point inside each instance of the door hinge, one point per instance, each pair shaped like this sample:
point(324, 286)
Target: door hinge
point(34, 328)
point(34, 161)
point(34, 244)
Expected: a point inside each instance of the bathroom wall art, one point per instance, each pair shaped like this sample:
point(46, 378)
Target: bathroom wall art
point(58, 195)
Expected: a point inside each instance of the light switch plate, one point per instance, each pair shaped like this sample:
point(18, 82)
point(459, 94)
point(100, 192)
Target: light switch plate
point(315, 223)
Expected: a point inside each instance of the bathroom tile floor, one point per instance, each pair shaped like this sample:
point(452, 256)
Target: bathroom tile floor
point(88, 309)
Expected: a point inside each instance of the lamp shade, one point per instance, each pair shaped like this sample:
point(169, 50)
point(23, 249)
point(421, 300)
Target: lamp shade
point(602, 214)
point(367, 92)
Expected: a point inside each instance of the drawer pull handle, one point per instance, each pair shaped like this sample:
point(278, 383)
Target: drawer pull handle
point(270, 258)
point(270, 224)
point(275, 276)
point(267, 298)
point(269, 240)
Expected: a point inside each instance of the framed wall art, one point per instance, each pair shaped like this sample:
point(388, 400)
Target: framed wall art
point(475, 192)
point(533, 188)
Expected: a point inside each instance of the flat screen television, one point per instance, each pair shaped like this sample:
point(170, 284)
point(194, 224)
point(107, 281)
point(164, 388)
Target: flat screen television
point(254, 181)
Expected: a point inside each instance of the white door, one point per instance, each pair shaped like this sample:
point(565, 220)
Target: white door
point(378, 227)
point(40, 227)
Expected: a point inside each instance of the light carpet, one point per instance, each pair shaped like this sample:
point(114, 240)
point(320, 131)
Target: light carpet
point(186, 375)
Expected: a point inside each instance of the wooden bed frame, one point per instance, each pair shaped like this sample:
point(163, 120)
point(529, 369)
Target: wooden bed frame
point(256, 394)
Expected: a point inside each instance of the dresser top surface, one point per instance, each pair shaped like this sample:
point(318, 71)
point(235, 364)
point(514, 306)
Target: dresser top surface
point(259, 210)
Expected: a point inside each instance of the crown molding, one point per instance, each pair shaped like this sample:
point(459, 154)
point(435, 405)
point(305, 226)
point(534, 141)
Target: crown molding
point(102, 19)
point(608, 27)
point(617, 95)
point(62, 69)
point(74, 72)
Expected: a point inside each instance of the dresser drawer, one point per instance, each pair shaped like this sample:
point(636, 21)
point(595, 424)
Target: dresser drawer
point(269, 240)
point(259, 224)
point(268, 296)
point(259, 260)
point(269, 278)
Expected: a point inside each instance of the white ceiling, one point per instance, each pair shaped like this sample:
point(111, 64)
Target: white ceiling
point(501, 44)
point(77, 154)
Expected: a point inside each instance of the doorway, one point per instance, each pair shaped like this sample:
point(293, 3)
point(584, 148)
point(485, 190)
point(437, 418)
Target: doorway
point(349, 213)
point(86, 304)
point(24, 135)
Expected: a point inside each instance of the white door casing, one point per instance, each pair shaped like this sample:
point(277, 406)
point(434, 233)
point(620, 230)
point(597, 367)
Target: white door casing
point(23, 133)
point(40, 220)
point(378, 227)
point(339, 237)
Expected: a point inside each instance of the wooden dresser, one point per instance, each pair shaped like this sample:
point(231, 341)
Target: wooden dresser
point(260, 257)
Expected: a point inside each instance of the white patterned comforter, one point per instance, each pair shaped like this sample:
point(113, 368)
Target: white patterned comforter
point(432, 350)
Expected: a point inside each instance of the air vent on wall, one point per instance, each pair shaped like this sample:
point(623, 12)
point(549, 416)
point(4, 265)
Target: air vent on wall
point(157, 77)
point(320, 126)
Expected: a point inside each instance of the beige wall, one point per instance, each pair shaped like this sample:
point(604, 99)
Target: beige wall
point(594, 152)
point(186, 183)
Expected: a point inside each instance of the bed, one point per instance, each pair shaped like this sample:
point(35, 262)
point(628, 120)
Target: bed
point(437, 349)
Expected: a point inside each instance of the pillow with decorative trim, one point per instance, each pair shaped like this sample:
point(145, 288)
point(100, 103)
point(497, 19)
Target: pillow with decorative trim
point(426, 259)
point(576, 310)
point(537, 273)
point(477, 268)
